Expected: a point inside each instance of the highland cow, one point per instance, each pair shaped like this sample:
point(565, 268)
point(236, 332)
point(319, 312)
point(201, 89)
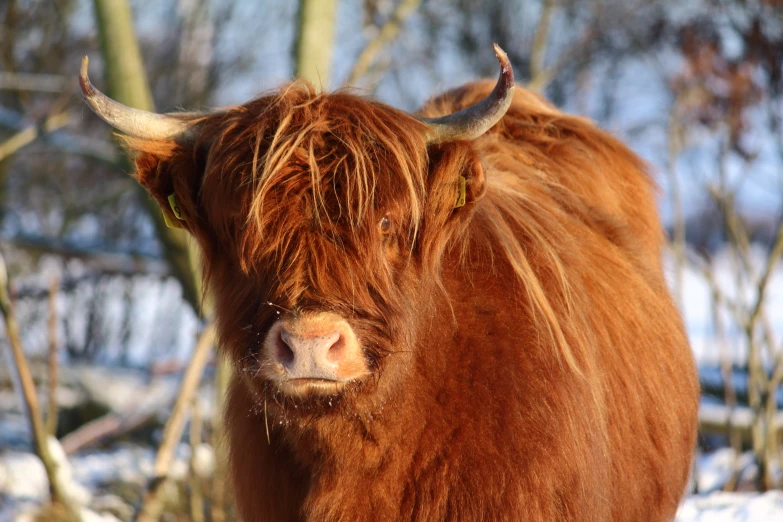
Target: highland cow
point(454, 315)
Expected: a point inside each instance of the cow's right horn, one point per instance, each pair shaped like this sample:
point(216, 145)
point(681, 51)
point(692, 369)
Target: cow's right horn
point(473, 121)
point(135, 122)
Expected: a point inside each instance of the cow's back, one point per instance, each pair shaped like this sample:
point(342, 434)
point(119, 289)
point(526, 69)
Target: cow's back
point(592, 243)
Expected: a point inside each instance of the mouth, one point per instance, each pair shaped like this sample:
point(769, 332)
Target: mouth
point(307, 387)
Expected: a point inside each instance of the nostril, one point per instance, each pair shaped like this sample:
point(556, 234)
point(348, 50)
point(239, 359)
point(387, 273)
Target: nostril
point(283, 352)
point(336, 351)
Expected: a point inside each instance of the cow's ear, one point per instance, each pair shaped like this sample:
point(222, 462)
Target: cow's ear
point(475, 182)
point(456, 174)
point(172, 174)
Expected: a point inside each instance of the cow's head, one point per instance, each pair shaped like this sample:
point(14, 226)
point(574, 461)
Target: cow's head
point(322, 220)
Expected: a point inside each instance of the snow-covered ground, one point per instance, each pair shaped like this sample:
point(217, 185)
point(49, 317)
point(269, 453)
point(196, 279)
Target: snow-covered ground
point(732, 507)
point(713, 505)
point(24, 486)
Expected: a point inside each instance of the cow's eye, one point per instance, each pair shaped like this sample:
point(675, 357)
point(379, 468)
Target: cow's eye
point(384, 225)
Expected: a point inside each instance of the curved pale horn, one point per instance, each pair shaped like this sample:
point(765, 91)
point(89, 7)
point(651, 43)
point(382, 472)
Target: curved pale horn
point(473, 121)
point(133, 122)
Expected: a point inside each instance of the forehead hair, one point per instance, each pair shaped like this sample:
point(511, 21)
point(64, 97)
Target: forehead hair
point(297, 155)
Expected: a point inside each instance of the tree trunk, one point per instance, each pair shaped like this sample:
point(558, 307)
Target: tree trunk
point(315, 41)
point(127, 83)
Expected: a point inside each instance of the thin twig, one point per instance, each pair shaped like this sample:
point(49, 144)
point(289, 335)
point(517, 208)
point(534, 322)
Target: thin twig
point(773, 258)
point(51, 413)
point(675, 138)
point(386, 34)
point(31, 133)
point(545, 76)
point(766, 473)
point(14, 81)
point(172, 433)
point(196, 499)
point(773, 447)
point(91, 148)
point(714, 418)
point(105, 428)
point(218, 497)
point(726, 370)
point(581, 46)
point(700, 265)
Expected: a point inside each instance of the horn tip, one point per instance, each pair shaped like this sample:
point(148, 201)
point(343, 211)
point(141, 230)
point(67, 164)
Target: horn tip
point(506, 71)
point(84, 79)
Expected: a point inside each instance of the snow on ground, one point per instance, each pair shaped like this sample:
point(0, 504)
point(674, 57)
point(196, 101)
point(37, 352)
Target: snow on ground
point(732, 507)
point(24, 486)
point(713, 471)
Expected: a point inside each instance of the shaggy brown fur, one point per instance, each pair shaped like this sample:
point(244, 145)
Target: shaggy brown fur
point(527, 360)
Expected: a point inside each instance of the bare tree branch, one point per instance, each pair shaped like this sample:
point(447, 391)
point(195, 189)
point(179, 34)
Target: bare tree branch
point(105, 428)
point(545, 76)
point(219, 486)
point(773, 258)
point(51, 83)
point(675, 142)
point(29, 134)
point(538, 52)
point(196, 499)
point(100, 150)
point(385, 35)
point(172, 433)
point(51, 413)
point(101, 260)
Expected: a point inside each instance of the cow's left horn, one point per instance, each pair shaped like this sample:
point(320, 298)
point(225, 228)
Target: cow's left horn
point(133, 122)
point(473, 121)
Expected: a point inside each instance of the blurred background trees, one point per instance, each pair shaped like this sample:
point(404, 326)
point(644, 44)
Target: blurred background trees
point(695, 88)
point(634, 67)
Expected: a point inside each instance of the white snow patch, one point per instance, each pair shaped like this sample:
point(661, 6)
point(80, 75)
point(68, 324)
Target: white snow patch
point(77, 494)
point(715, 469)
point(731, 507)
point(23, 476)
point(24, 487)
point(92, 516)
point(203, 460)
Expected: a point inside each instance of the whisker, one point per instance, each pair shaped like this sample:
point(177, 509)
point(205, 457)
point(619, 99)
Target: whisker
point(270, 303)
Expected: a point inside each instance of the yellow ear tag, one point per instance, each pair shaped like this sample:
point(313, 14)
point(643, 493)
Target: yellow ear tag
point(174, 204)
point(462, 191)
